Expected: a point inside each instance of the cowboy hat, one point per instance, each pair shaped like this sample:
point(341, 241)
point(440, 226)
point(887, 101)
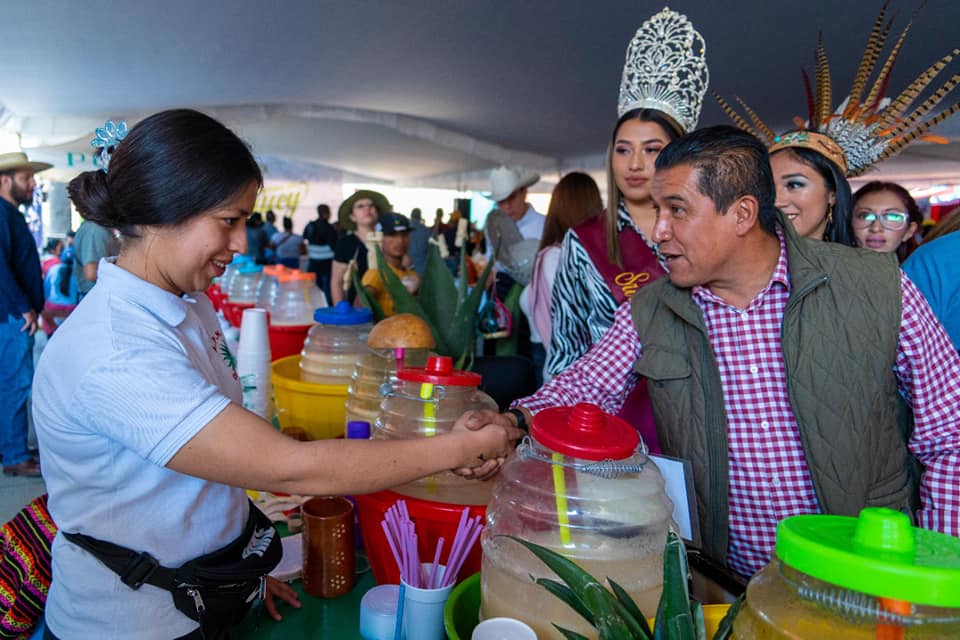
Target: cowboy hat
point(346, 208)
point(16, 160)
point(506, 180)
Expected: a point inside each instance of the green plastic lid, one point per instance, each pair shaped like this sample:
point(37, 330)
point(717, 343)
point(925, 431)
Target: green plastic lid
point(880, 554)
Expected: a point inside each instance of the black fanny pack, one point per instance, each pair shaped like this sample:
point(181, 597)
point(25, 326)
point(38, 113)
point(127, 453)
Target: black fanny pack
point(215, 589)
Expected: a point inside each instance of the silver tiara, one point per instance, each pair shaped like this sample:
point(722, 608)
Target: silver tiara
point(666, 69)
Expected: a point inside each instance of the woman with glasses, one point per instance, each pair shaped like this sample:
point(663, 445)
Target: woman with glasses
point(885, 218)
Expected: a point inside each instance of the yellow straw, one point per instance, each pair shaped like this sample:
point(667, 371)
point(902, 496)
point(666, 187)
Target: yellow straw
point(429, 423)
point(429, 417)
point(560, 489)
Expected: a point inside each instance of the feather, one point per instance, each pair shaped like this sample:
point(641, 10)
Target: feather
point(757, 122)
point(737, 119)
point(928, 104)
point(896, 108)
point(799, 123)
point(898, 144)
point(824, 90)
point(811, 108)
point(871, 54)
point(934, 139)
point(883, 78)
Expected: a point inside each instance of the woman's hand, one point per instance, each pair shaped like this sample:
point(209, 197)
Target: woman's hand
point(275, 588)
point(491, 438)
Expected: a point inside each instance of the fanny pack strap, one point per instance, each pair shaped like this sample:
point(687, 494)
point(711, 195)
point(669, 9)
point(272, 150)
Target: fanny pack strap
point(137, 568)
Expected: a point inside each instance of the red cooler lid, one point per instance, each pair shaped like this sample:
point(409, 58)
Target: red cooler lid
point(585, 431)
point(439, 370)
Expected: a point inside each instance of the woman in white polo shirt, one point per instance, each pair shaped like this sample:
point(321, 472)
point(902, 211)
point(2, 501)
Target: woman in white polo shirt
point(144, 442)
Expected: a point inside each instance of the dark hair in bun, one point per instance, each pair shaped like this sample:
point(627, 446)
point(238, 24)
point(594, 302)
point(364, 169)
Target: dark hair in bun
point(170, 167)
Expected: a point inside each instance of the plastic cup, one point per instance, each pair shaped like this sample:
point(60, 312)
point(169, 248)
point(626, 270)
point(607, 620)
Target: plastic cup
point(503, 629)
point(329, 548)
point(253, 363)
point(423, 609)
point(378, 612)
point(254, 335)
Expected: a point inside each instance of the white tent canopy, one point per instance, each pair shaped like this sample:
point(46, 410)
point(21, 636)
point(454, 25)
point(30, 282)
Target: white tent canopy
point(423, 93)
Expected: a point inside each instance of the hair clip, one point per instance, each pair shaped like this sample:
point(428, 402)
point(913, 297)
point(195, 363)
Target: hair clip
point(107, 140)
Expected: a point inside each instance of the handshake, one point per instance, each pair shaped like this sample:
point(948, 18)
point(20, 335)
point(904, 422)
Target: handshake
point(488, 438)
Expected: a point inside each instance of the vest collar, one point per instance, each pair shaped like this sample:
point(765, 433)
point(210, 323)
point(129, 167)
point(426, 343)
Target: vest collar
point(802, 264)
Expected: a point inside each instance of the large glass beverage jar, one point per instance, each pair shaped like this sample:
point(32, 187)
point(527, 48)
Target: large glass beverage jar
point(335, 344)
point(426, 402)
point(374, 368)
point(582, 485)
point(862, 578)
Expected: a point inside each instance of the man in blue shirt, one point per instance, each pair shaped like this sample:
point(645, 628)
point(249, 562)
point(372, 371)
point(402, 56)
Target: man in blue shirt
point(21, 300)
point(933, 267)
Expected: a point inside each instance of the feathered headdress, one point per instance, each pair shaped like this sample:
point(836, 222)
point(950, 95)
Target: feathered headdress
point(864, 129)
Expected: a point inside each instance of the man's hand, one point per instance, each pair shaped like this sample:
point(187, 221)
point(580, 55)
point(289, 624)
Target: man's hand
point(281, 590)
point(29, 322)
point(476, 420)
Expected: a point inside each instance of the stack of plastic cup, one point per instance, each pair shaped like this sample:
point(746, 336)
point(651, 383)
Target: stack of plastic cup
point(253, 363)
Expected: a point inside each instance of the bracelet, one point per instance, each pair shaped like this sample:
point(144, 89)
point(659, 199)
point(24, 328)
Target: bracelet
point(521, 419)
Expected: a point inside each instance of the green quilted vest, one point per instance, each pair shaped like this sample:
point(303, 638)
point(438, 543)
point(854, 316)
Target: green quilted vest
point(839, 339)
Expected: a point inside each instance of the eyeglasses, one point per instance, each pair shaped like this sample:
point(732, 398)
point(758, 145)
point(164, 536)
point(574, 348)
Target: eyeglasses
point(892, 220)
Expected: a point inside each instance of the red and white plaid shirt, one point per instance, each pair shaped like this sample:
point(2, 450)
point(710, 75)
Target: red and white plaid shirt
point(769, 477)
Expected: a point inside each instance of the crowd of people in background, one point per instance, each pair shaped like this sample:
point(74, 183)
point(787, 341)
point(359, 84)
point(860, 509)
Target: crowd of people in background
point(568, 287)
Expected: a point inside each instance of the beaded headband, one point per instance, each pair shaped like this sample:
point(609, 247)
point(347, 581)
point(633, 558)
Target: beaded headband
point(863, 130)
point(665, 69)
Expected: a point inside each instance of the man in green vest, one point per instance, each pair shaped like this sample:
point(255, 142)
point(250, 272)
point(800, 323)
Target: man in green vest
point(775, 364)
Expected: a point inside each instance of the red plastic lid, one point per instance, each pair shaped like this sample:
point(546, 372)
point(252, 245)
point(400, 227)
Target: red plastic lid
point(439, 370)
point(584, 431)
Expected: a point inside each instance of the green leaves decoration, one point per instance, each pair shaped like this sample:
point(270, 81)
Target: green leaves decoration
point(615, 615)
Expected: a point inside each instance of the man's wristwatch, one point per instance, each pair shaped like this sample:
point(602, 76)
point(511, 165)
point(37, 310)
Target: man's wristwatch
point(521, 419)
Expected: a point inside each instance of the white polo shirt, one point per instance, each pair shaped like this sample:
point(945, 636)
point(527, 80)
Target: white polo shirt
point(131, 376)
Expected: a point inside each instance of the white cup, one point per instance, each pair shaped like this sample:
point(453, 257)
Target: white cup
point(378, 612)
point(253, 363)
point(254, 336)
point(503, 629)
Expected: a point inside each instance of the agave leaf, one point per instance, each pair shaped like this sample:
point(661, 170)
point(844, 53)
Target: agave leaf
point(570, 635)
point(509, 346)
point(438, 294)
point(564, 593)
point(699, 625)
point(578, 580)
point(725, 630)
point(674, 621)
point(574, 577)
point(464, 325)
point(367, 300)
point(627, 602)
point(608, 621)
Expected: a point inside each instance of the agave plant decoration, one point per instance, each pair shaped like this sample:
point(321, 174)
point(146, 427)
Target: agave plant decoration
point(447, 305)
point(615, 615)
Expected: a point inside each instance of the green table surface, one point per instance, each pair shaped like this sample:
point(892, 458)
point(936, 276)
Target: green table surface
point(330, 618)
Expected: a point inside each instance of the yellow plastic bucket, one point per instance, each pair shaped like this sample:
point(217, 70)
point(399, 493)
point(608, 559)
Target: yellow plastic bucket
point(318, 409)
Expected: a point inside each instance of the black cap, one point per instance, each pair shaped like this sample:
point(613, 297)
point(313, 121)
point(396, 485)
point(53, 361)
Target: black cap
point(393, 223)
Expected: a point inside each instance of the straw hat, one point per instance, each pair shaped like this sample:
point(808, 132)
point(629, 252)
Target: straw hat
point(506, 180)
point(379, 201)
point(17, 160)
